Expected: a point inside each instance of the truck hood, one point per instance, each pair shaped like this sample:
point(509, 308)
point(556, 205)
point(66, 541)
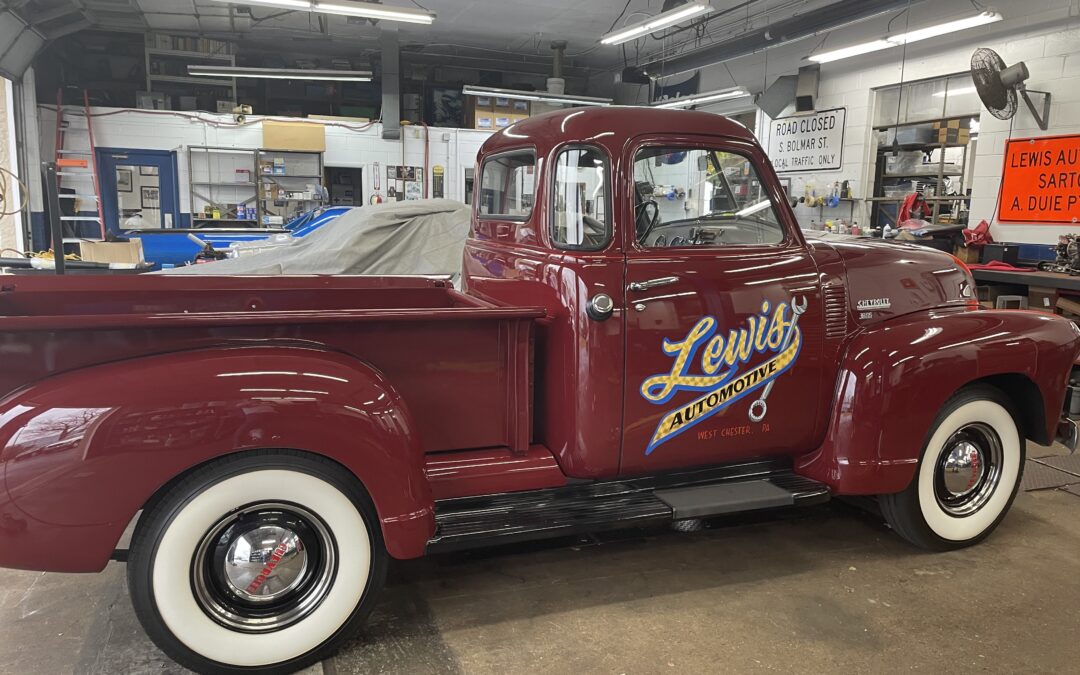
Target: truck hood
point(891, 279)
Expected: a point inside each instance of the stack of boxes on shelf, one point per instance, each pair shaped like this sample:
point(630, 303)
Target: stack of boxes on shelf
point(951, 132)
point(491, 113)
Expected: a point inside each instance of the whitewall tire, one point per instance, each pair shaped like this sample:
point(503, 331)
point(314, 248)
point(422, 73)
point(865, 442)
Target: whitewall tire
point(968, 473)
point(262, 562)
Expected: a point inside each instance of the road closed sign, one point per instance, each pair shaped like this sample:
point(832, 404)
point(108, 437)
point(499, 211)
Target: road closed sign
point(808, 142)
point(1041, 181)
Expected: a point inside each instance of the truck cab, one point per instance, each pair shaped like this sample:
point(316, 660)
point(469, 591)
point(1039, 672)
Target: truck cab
point(672, 270)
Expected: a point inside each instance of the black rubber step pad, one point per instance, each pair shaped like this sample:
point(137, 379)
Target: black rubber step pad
point(713, 500)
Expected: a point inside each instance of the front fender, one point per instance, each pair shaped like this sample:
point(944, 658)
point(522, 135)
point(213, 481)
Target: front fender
point(82, 452)
point(896, 376)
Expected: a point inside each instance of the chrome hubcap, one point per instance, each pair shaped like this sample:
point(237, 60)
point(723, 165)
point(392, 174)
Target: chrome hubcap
point(264, 567)
point(266, 563)
point(968, 469)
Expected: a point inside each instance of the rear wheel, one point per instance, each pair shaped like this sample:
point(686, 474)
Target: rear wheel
point(261, 562)
point(968, 475)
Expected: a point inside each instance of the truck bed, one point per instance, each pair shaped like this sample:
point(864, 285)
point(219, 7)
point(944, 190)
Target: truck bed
point(461, 364)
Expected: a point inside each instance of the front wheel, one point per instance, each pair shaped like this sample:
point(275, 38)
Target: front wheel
point(260, 562)
point(968, 474)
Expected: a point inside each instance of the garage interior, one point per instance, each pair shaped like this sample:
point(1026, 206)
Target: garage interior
point(237, 126)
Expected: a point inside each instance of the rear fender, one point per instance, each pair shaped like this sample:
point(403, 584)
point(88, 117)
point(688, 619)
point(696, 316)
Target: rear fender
point(83, 451)
point(896, 376)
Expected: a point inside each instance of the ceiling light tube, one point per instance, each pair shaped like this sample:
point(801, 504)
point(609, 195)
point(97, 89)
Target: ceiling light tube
point(701, 99)
point(945, 28)
point(281, 73)
point(658, 22)
point(517, 94)
point(368, 10)
point(907, 38)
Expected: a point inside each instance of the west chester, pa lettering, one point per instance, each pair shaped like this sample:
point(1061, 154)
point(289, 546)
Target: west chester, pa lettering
point(772, 331)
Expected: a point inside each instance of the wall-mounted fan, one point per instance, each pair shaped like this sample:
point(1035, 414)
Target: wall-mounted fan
point(1000, 87)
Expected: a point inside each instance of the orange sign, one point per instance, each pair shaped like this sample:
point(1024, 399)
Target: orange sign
point(1041, 181)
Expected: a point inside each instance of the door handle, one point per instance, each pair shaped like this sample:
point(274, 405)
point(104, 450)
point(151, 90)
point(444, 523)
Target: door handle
point(653, 283)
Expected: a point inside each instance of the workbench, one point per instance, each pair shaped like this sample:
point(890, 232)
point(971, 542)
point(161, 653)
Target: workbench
point(1063, 282)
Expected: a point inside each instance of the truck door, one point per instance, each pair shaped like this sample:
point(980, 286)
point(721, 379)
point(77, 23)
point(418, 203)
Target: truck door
point(724, 318)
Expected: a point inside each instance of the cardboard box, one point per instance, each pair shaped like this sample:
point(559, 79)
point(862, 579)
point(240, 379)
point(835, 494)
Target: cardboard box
point(1043, 298)
point(130, 252)
point(522, 108)
point(955, 132)
point(1068, 307)
point(302, 136)
point(484, 121)
point(502, 105)
point(477, 107)
point(967, 254)
point(503, 121)
point(954, 136)
point(151, 100)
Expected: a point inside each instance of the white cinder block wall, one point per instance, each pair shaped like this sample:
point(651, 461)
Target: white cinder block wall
point(354, 146)
point(1043, 33)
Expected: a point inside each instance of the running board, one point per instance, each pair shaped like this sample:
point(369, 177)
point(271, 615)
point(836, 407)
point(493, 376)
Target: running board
point(491, 520)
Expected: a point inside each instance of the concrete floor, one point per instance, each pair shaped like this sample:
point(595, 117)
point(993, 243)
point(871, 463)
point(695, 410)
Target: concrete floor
point(827, 588)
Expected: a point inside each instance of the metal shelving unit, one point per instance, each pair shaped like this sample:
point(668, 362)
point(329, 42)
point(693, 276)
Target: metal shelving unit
point(301, 170)
point(206, 184)
point(935, 172)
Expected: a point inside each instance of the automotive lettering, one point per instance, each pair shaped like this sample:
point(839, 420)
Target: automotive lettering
point(772, 331)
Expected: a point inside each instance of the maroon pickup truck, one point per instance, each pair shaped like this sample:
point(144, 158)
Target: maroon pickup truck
point(643, 336)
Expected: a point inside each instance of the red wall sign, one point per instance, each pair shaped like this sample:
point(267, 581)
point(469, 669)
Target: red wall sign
point(1041, 181)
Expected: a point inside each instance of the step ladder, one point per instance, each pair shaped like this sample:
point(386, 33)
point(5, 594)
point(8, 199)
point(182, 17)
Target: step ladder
point(76, 160)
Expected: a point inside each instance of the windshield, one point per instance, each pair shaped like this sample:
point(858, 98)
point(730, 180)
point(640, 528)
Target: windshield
point(701, 197)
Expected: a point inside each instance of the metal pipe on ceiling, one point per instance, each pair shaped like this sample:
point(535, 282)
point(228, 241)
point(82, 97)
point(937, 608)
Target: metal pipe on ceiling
point(810, 24)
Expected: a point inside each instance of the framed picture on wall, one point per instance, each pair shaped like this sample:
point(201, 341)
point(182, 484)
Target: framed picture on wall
point(148, 171)
point(123, 180)
point(150, 198)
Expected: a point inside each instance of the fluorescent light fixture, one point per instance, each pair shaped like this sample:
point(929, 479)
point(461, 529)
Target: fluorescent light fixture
point(701, 99)
point(662, 20)
point(367, 10)
point(281, 73)
point(955, 92)
point(517, 94)
point(754, 208)
point(907, 38)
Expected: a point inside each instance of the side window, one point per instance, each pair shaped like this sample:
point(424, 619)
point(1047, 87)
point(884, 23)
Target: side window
point(579, 199)
point(508, 186)
point(699, 197)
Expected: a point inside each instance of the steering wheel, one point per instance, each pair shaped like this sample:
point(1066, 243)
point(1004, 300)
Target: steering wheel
point(642, 217)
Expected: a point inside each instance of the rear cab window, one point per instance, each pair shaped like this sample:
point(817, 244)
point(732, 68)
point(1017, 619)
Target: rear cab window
point(580, 207)
point(508, 186)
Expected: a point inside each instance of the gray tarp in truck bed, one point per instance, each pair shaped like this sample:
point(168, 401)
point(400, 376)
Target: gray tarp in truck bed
point(417, 237)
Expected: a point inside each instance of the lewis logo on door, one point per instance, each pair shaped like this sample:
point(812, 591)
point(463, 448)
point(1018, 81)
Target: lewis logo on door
point(773, 332)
